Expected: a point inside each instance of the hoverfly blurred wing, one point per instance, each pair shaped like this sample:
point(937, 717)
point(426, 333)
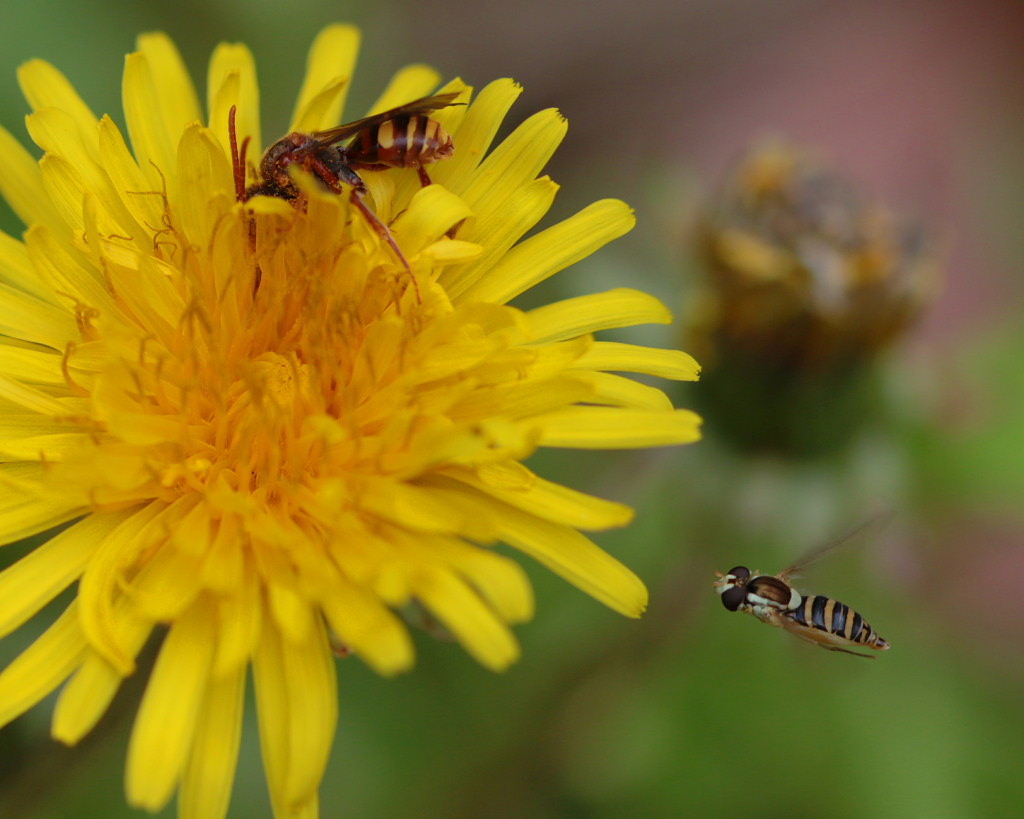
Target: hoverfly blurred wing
point(877, 520)
point(422, 106)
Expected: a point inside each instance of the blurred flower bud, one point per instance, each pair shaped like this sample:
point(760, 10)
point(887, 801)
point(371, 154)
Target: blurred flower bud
point(806, 283)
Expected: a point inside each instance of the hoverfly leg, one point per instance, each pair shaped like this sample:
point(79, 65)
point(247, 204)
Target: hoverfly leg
point(854, 653)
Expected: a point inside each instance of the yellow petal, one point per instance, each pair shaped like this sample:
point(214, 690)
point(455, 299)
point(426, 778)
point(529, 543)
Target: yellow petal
point(48, 448)
point(312, 118)
point(24, 509)
point(21, 184)
point(149, 291)
point(452, 251)
point(210, 768)
point(31, 365)
point(224, 565)
point(175, 92)
point(622, 307)
point(42, 666)
point(520, 400)
point(413, 507)
point(71, 170)
point(30, 398)
point(16, 270)
point(367, 626)
point(26, 317)
point(296, 696)
point(231, 81)
point(46, 87)
point(56, 132)
point(408, 84)
point(207, 182)
point(166, 721)
point(572, 555)
point(613, 355)
point(328, 69)
point(13, 424)
point(240, 617)
point(501, 581)
point(430, 213)
point(291, 612)
point(47, 570)
point(452, 115)
point(91, 689)
point(618, 391)
point(552, 501)
point(552, 250)
point(476, 132)
point(101, 620)
point(515, 162)
point(496, 230)
point(164, 587)
point(159, 102)
point(66, 188)
point(273, 708)
point(613, 428)
point(143, 199)
point(65, 270)
point(462, 612)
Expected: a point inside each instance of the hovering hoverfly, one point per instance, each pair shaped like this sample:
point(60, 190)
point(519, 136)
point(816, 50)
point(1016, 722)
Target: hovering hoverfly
point(402, 137)
point(816, 618)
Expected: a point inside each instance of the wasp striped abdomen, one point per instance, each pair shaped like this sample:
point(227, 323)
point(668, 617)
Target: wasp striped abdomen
point(831, 617)
point(410, 141)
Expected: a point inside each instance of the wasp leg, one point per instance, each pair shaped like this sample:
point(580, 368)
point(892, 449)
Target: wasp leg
point(381, 229)
point(425, 180)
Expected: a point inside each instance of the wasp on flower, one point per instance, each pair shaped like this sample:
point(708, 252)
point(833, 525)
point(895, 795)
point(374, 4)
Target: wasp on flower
point(403, 137)
point(263, 474)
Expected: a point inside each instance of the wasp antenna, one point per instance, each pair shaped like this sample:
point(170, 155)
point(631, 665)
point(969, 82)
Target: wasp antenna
point(237, 160)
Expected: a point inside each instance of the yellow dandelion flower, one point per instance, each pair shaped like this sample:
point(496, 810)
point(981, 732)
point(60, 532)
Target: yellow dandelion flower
point(265, 433)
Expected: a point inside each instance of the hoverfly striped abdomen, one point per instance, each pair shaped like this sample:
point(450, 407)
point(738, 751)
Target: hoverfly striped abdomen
point(409, 141)
point(815, 618)
point(832, 617)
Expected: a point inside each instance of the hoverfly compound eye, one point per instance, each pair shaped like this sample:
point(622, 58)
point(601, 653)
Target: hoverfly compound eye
point(740, 572)
point(733, 597)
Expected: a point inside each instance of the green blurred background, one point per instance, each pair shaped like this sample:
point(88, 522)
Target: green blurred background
point(689, 712)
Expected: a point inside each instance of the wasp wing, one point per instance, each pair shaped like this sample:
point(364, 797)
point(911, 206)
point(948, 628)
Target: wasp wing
point(878, 520)
point(424, 105)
